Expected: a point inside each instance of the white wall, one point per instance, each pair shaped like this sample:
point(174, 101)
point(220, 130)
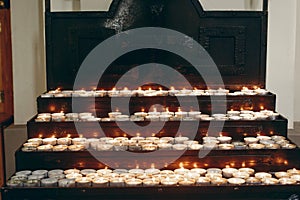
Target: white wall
point(281, 55)
point(297, 70)
point(28, 57)
point(29, 67)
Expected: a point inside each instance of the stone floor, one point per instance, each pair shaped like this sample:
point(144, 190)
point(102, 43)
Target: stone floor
point(294, 134)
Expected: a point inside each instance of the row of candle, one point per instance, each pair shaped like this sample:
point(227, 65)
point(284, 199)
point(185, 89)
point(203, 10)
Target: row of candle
point(150, 177)
point(194, 115)
point(159, 116)
point(150, 92)
point(139, 143)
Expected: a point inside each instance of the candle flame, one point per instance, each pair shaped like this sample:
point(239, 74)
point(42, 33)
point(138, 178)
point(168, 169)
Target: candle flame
point(53, 136)
point(114, 89)
point(271, 132)
point(195, 88)
point(232, 164)
point(40, 135)
point(227, 166)
point(117, 110)
point(137, 167)
point(262, 107)
point(195, 165)
point(172, 88)
point(154, 109)
point(138, 134)
point(80, 135)
point(153, 134)
point(69, 135)
point(220, 134)
point(167, 109)
point(152, 166)
point(150, 89)
point(181, 165)
point(160, 88)
point(125, 88)
point(243, 164)
point(179, 109)
point(143, 110)
point(256, 87)
point(140, 88)
point(286, 162)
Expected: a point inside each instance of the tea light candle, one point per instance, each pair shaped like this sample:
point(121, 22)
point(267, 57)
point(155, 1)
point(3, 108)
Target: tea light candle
point(23, 173)
point(38, 141)
point(179, 147)
point(60, 148)
point(117, 182)
point(181, 171)
point(31, 183)
point(100, 182)
point(180, 140)
point(134, 182)
point(293, 171)
point(14, 183)
point(195, 147)
point(219, 181)
point(64, 141)
point(236, 181)
point(287, 181)
point(102, 172)
point(226, 146)
point(278, 138)
point(149, 147)
point(105, 147)
point(85, 172)
point(41, 172)
point(57, 176)
point(233, 113)
point(120, 171)
point(253, 180)
point(210, 146)
point(186, 182)
point(242, 175)
point(120, 147)
point(122, 118)
point(71, 171)
point(296, 177)
point(213, 175)
point(73, 176)
point(282, 175)
point(256, 146)
point(76, 147)
point(289, 146)
point(51, 141)
point(194, 113)
point(152, 171)
point(272, 146)
point(214, 171)
point(235, 118)
point(165, 146)
point(239, 145)
point(228, 172)
point(250, 171)
point(203, 181)
point(250, 140)
point(169, 182)
point(198, 171)
point(136, 171)
point(149, 182)
point(270, 181)
point(134, 147)
point(49, 182)
point(140, 114)
point(31, 145)
point(47, 147)
point(66, 183)
point(83, 182)
point(167, 140)
point(262, 175)
point(78, 141)
point(55, 172)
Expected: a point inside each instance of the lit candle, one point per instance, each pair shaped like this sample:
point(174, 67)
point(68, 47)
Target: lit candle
point(60, 148)
point(73, 176)
point(219, 181)
point(76, 147)
point(117, 182)
point(149, 182)
point(169, 182)
point(228, 172)
point(179, 147)
point(102, 172)
point(47, 147)
point(250, 140)
point(66, 183)
point(270, 181)
point(250, 171)
point(51, 141)
point(64, 141)
point(49, 182)
point(203, 181)
point(224, 139)
point(236, 181)
point(83, 182)
point(100, 182)
point(180, 139)
point(293, 171)
point(133, 182)
point(256, 146)
point(253, 180)
point(262, 175)
point(186, 182)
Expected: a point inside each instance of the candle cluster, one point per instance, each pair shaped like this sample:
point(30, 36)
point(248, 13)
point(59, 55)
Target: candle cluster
point(150, 177)
point(160, 116)
point(139, 143)
point(150, 92)
point(61, 117)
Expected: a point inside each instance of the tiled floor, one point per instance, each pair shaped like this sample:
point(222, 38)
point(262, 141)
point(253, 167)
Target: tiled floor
point(294, 134)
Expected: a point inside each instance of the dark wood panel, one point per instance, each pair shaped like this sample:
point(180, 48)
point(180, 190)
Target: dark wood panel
point(260, 160)
point(247, 192)
point(236, 129)
point(6, 79)
point(236, 41)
